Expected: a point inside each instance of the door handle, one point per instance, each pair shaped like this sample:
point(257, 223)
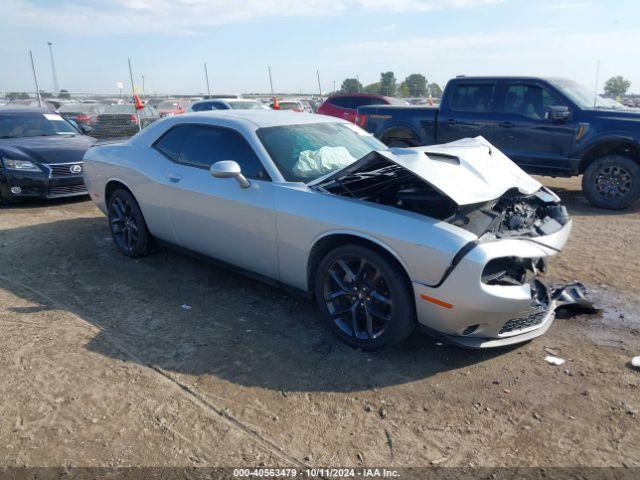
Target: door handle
point(452, 121)
point(175, 178)
point(505, 124)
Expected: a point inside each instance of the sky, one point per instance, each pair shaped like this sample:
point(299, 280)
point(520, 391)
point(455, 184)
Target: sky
point(168, 42)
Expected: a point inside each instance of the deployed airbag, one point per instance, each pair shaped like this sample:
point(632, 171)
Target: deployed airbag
point(324, 160)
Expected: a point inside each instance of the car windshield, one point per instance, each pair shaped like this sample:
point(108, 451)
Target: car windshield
point(120, 109)
point(168, 105)
point(245, 105)
point(79, 108)
point(288, 105)
point(583, 97)
point(14, 125)
point(310, 151)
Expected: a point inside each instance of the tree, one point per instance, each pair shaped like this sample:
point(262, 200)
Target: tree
point(351, 85)
point(404, 90)
point(387, 83)
point(44, 94)
point(17, 96)
point(617, 86)
point(435, 90)
point(417, 85)
point(64, 94)
point(373, 88)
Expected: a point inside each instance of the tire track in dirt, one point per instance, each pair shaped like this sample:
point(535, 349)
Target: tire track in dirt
point(212, 411)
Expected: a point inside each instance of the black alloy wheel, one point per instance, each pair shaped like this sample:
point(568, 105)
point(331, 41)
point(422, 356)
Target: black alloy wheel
point(127, 225)
point(364, 297)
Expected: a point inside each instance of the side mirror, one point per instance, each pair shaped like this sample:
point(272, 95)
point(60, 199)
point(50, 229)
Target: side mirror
point(229, 169)
point(86, 129)
point(558, 113)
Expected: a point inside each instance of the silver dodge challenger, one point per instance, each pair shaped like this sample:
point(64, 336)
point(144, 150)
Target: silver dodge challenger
point(451, 238)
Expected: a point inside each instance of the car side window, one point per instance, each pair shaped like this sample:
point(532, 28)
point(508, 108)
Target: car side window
point(206, 145)
point(341, 102)
point(219, 106)
point(170, 143)
point(530, 101)
point(473, 97)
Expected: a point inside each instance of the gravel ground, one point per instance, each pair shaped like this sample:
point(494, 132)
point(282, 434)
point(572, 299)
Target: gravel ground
point(102, 366)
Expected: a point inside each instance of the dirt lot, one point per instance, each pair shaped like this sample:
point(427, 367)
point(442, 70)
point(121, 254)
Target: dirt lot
point(101, 366)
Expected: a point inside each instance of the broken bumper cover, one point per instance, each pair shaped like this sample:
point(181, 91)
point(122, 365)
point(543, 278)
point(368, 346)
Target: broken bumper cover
point(471, 313)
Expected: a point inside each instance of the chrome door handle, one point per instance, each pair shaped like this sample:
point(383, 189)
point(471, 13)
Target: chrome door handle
point(175, 178)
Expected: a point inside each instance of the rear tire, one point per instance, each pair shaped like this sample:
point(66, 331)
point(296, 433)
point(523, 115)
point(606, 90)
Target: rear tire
point(127, 225)
point(364, 297)
point(612, 182)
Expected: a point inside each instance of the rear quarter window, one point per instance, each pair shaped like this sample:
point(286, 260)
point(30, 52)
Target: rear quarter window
point(171, 142)
point(473, 97)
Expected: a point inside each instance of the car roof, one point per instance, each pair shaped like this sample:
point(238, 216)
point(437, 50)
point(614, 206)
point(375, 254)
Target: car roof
point(12, 110)
point(507, 77)
point(357, 94)
point(259, 118)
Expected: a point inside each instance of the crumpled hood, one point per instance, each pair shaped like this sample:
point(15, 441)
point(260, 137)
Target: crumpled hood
point(468, 171)
point(47, 149)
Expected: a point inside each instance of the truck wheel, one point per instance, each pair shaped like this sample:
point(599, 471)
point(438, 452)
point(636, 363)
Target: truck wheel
point(612, 182)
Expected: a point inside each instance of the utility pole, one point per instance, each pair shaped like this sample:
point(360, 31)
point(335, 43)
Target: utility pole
point(206, 77)
point(56, 87)
point(143, 90)
point(270, 80)
point(358, 78)
point(319, 87)
point(334, 86)
point(595, 92)
point(133, 94)
point(35, 79)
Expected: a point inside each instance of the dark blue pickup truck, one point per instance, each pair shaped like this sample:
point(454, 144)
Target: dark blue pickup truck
point(547, 126)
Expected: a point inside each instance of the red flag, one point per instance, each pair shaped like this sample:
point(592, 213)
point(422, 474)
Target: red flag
point(276, 105)
point(136, 101)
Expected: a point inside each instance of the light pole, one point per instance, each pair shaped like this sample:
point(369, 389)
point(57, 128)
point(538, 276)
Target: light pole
point(270, 79)
point(35, 79)
point(206, 78)
point(56, 87)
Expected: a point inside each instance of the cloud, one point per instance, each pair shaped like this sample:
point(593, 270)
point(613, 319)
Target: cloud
point(566, 6)
point(191, 16)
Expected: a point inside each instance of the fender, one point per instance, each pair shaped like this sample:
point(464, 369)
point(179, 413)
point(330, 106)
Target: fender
point(387, 127)
point(624, 137)
point(355, 233)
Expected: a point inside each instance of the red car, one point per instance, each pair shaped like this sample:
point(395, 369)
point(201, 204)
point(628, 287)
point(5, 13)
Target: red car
point(172, 107)
point(346, 105)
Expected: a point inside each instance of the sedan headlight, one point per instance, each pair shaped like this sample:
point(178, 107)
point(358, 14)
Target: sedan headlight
point(20, 165)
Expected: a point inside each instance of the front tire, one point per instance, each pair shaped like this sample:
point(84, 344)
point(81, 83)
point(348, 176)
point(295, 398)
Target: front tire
point(364, 297)
point(126, 223)
point(612, 182)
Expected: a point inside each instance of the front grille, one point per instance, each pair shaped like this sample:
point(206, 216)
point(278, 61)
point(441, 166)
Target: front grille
point(67, 190)
point(64, 170)
point(521, 323)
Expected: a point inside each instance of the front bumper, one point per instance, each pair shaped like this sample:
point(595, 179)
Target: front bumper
point(43, 184)
point(471, 313)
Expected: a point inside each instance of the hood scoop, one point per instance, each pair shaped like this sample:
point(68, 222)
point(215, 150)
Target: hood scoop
point(468, 171)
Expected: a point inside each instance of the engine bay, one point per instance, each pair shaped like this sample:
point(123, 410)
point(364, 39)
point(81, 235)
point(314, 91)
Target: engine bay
point(513, 214)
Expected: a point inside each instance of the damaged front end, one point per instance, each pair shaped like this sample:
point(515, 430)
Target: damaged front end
point(495, 283)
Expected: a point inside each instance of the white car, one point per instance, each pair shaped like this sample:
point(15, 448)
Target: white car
point(226, 104)
point(453, 238)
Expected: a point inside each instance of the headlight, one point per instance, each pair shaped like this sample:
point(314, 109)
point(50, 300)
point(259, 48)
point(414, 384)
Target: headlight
point(20, 165)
